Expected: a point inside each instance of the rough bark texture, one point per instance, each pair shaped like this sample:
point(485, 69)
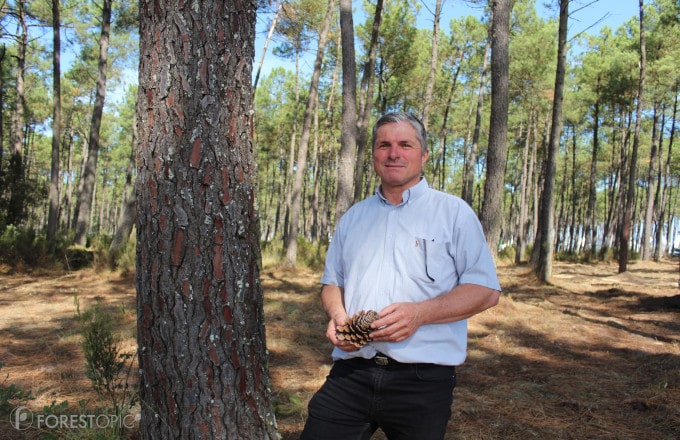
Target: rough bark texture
point(202, 349)
point(495, 169)
point(348, 139)
point(547, 217)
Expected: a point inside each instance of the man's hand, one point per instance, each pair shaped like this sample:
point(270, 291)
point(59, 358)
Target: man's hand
point(397, 322)
point(332, 335)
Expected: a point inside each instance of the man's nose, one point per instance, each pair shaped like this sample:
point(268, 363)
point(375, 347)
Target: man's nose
point(393, 151)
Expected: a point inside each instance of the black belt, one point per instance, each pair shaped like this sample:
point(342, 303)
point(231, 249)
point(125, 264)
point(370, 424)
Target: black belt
point(384, 360)
point(381, 360)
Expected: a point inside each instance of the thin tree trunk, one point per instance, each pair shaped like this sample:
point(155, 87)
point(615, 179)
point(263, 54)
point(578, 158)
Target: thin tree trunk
point(348, 137)
point(3, 52)
point(651, 189)
point(320, 223)
point(660, 202)
point(128, 212)
point(16, 209)
point(471, 156)
point(547, 217)
point(523, 207)
point(366, 104)
point(288, 177)
point(630, 195)
point(85, 198)
point(439, 158)
point(591, 212)
point(429, 89)
point(301, 170)
point(491, 214)
point(666, 193)
point(53, 216)
point(272, 27)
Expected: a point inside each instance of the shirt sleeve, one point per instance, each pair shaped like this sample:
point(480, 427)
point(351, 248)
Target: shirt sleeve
point(471, 253)
point(333, 273)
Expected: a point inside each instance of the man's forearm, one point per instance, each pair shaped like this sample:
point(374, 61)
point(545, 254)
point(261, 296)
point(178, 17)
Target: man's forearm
point(332, 301)
point(462, 302)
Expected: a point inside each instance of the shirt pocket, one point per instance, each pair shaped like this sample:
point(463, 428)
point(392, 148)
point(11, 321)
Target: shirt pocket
point(438, 263)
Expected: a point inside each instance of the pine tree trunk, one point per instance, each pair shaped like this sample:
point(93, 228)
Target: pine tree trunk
point(202, 348)
point(491, 214)
point(89, 176)
point(301, 166)
point(591, 212)
point(632, 170)
point(53, 216)
point(128, 212)
point(348, 139)
point(547, 217)
point(471, 153)
point(651, 188)
point(366, 104)
point(434, 56)
point(16, 209)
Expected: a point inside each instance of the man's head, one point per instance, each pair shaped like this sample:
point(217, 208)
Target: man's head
point(399, 152)
point(387, 118)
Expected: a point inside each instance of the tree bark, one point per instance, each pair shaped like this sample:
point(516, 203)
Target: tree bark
point(202, 348)
point(651, 188)
point(366, 103)
point(128, 213)
point(471, 154)
point(591, 212)
point(491, 213)
point(89, 176)
point(16, 209)
point(348, 139)
point(53, 214)
point(523, 206)
point(632, 170)
point(429, 89)
point(547, 217)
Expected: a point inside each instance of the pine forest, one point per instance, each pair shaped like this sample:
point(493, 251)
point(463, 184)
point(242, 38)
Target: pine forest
point(68, 76)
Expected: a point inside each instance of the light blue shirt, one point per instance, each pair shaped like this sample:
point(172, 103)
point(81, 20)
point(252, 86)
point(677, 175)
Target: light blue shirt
point(381, 254)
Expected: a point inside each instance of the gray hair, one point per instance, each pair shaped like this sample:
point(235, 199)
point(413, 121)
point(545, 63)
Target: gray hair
point(403, 117)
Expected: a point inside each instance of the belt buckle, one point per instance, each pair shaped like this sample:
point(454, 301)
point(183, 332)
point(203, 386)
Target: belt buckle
point(381, 359)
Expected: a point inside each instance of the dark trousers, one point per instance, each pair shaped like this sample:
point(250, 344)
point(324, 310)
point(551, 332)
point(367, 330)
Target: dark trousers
point(407, 401)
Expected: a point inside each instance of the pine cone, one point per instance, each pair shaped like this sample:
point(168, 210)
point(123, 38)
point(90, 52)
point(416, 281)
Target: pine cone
point(357, 328)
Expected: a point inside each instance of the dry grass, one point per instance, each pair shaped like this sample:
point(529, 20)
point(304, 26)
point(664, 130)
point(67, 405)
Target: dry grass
point(593, 355)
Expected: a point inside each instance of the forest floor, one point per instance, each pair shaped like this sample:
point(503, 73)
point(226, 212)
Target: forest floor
point(593, 355)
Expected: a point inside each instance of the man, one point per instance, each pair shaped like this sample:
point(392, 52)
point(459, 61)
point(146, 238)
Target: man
point(419, 258)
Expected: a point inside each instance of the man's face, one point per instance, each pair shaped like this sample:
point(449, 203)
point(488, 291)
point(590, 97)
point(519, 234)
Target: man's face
point(397, 156)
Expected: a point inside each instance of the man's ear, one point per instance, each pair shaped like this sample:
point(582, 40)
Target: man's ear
point(424, 157)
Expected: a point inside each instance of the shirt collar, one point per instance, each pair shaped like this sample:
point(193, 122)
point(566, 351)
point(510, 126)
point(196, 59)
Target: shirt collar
point(409, 194)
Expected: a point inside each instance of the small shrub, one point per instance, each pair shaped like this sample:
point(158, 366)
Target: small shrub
point(78, 257)
point(108, 368)
point(507, 254)
point(23, 246)
point(11, 396)
point(125, 259)
point(311, 254)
